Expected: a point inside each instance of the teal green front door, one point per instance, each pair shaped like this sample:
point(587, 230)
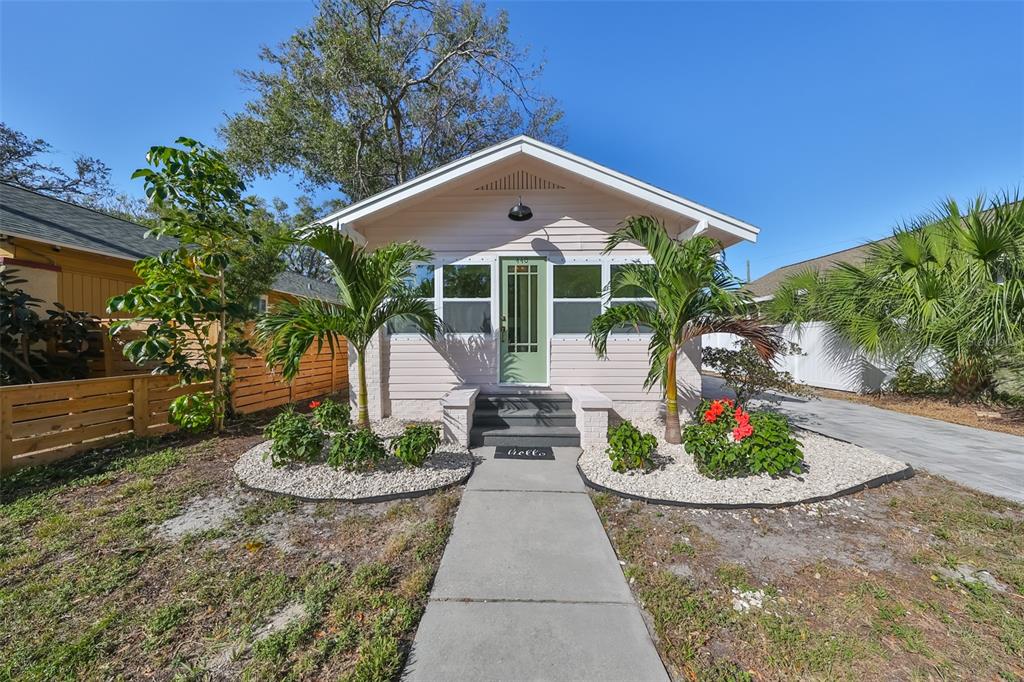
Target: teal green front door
point(524, 323)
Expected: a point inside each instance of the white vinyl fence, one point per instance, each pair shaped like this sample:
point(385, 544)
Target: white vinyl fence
point(824, 363)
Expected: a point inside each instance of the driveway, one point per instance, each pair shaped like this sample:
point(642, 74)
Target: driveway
point(985, 460)
point(529, 587)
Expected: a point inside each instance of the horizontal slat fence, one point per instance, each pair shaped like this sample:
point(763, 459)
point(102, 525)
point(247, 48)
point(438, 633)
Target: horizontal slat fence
point(256, 388)
point(43, 423)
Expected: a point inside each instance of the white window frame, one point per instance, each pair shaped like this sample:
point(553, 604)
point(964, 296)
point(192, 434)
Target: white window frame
point(399, 336)
point(606, 263)
point(440, 298)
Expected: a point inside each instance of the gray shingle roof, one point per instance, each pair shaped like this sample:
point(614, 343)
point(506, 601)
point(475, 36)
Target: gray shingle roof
point(35, 216)
point(766, 285)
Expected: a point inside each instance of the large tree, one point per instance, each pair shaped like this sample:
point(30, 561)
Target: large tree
point(23, 163)
point(374, 92)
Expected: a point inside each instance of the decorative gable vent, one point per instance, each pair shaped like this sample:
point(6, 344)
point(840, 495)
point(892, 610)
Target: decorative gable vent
point(518, 181)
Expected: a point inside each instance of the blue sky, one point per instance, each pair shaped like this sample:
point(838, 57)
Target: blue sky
point(822, 123)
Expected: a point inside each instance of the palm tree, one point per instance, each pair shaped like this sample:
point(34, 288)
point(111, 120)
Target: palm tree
point(694, 294)
point(372, 290)
point(950, 283)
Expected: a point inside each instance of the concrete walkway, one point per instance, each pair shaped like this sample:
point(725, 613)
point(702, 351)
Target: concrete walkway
point(529, 587)
point(989, 461)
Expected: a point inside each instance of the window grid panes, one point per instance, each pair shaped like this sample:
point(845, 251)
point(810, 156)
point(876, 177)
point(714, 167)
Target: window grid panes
point(466, 298)
point(628, 294)
point(422, 283)
point(577, 297)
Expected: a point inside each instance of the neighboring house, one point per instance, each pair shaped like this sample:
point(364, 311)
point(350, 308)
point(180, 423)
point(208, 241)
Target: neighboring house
point(825, 362)
point(519, 296)
point(81, 258)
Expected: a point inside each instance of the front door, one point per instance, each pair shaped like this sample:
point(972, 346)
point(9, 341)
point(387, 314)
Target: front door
point(524, 324)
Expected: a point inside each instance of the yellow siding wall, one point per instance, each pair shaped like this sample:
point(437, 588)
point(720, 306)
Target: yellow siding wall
point(85, 281)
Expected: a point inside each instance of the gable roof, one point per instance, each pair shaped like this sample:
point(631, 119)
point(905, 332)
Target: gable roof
point(28, 214)
point(535, 149)
point(765, 285)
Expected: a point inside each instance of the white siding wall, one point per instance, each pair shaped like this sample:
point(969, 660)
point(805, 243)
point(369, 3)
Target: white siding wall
point(466, 223)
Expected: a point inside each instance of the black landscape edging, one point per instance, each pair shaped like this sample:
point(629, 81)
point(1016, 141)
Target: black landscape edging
point(901, 475)
point(412, 494)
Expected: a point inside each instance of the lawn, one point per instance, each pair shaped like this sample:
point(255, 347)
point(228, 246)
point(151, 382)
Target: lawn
point(148, 560)
point(882, 585)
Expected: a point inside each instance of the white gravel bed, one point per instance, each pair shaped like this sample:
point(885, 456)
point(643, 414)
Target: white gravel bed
point(449, 465)
point(832, 466)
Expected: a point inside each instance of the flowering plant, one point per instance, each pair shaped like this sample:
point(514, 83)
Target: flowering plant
point(729, 441)
point(313, 404)
point(330, 415)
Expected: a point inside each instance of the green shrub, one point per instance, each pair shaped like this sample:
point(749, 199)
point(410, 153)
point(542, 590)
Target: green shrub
point(357, 451)
point(416, 444)
point(331, 415)
point(293, 438)
point(726, 441)
point(628, 448)
point(908, 381)
point(772, 449)
point(192, 412)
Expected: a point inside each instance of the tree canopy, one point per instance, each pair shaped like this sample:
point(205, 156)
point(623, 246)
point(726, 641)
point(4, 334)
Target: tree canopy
point(951, 282)
point(22, 163)
point(374, 92)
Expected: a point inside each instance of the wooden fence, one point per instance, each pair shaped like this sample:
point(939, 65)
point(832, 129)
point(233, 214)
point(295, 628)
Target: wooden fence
point(256, 388)
point(42, 423)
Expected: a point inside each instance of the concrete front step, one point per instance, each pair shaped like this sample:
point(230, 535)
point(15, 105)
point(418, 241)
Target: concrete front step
point(525, 417)
point(532, 419)
point(525, 436)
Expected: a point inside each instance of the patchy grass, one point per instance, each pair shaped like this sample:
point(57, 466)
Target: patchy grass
point(883, 585)
point(93, 586)
point(1010, 419)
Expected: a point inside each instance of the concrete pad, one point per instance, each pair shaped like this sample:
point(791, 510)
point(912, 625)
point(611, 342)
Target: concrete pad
point(519, 474)
point(531, 641)
point(529, 545)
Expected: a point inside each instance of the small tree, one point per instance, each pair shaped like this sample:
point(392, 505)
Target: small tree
point(193, 299)
point(749, 375)
point(373, 290)
point(694, 294)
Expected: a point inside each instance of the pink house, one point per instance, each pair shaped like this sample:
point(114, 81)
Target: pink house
point(517, 232)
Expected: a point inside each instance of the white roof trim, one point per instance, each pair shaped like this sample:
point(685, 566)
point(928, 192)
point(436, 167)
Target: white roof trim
point(558, 157)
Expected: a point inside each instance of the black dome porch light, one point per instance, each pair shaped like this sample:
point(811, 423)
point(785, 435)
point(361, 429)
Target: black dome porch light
point(520, 212)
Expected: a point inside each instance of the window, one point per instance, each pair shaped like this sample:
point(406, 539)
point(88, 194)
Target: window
point(577, 297)
point(260, 304)
point(422, 282)
point(622, 295)
point(466, 298)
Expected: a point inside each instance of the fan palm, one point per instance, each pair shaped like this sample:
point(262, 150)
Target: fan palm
point(373, 289)
point(694, 294)
point(951, 282)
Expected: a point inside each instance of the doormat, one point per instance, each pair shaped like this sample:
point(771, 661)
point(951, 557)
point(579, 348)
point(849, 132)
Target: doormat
point(513, 452)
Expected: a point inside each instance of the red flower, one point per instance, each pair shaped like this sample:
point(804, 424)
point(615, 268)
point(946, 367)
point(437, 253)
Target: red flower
point(314, 404)
point(742, 431)
point(710, 416)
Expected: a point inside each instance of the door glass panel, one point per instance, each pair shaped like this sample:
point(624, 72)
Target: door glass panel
point(523, 308)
